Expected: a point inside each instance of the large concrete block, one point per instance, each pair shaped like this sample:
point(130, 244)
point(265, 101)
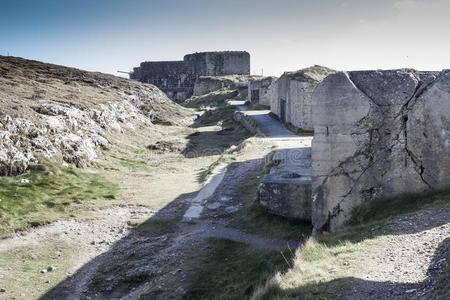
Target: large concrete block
point(287, 195)
point(377, 134)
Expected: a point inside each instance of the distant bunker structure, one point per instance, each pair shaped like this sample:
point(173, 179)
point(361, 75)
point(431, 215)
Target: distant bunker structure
point(378, 134)
point(260, 90)
point(291, 96)
point(177, 78)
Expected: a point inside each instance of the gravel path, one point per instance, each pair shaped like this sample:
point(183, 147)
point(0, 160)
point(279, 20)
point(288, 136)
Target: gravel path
point(408, 261)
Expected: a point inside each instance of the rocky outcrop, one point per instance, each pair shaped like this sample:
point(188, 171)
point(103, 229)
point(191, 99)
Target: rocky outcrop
point(377, 134)
point(64, 114)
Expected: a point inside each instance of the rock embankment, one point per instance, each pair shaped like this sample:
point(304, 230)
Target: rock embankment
point(64, 114)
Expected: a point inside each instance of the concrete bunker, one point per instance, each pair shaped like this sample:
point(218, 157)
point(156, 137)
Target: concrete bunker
point(177, 78)
point(291, 96)
point(260, 90)
point(377, 134)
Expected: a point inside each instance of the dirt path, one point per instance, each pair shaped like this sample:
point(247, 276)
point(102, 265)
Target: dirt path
point(408, 261)
point(123, 251)
point(159, 262)
point(83, 239)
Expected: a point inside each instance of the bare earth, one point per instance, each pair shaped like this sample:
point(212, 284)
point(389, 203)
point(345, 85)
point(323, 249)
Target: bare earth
point(406, 263)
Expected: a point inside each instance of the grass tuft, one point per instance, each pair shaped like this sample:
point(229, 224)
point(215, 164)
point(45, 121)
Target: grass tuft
point(47, 193)
point(385, 209)
point(324, 266)
point(232, 270)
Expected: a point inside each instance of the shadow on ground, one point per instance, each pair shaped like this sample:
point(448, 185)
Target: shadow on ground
point(165, 258)
point(348, 287)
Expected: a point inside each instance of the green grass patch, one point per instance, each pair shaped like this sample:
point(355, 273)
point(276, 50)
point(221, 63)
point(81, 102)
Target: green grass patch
point(259, 107)
point(160, 225)
point(232, 270)
point(299, 131)
point(43, 195)
point(132, 164)
point(22, 265)
point(386, 209)
point(222, 115)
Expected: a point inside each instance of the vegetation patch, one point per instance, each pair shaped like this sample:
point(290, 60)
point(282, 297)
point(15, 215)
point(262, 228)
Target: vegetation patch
point(232, 270)
point(385, 209)
point(259, 107)
point(216, 98)
point(161, 224)
point(325, 264)
point(299, 131)
point(46, 194)
point(34, 270)
point(220, 116)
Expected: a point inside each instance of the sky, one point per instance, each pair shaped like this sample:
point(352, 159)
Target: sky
point(281, 35)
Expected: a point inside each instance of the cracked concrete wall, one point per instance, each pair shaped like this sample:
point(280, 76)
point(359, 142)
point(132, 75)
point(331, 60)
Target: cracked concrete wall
point(297, 95)
point(378, 134)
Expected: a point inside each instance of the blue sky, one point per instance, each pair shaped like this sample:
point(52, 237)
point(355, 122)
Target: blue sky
point(111, 35)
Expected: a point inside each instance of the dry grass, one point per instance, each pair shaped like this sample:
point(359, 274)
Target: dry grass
point(23, 83)
point(333, 258)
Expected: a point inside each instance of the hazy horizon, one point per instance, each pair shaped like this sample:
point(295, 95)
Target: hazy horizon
point(280, 35)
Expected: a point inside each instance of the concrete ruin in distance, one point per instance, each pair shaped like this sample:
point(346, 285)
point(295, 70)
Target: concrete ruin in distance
point(177, 78)
point(292, 96)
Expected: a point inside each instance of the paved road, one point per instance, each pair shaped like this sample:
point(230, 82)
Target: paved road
point(271, 127)
point(293, 152)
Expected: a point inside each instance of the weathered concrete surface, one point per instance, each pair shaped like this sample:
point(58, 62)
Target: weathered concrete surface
point(260, 91)
point(292, 95)
point(177, 78)
point(377, 134)
point(286, 190)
